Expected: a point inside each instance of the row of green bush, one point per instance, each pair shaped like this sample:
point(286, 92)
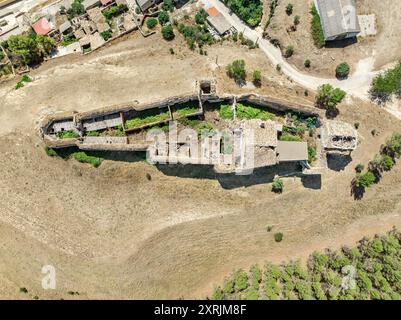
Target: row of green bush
point(146, 118)
point(370, 270)
point(386, 84)
point(384, 161)
point(316, 29)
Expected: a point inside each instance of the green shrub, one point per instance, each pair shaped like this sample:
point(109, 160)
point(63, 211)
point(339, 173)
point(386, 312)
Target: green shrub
point(200, 16)
point(250, 112)
point(84, 158)
point(289, 9)
point(146, 118)
point(289, 51)
point(23, 290)
point(307, 63)
point(168, 5)
point(163, 17)
point(168, 33)
point(365, 180)
point(297, 20)
point(328, 97)
point(226, 112)
point(342, 70)
point(278, 185)
point(76, 9)
point(114, 11)
point(106, 35)
point(278, 237)
point(311, 154)
point(69, 134)
point(67, 40)
point(25, 79)
point(241, 280)
point(148, 176)
point(151, 23)
point(316, 28)
point(236, 70)
point(51, 152)
point(257, 77)
point(386, 84)
point(359, 168)
point(290, 137)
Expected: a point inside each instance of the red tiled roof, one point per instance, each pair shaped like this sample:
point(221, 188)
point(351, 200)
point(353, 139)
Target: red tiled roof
point(105, 2)
point(42, 26)
point(212, 11)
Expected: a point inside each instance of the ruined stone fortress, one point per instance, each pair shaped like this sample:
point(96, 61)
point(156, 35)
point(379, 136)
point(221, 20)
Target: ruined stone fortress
point(265, 148)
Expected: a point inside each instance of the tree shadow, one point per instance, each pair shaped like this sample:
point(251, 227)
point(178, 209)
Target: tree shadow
point(230, 180)
point(312, 181)
point(357, 192)
point(338, 162)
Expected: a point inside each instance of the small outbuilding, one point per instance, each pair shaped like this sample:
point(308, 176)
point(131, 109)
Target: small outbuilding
point(218, 22)
point(338, 18)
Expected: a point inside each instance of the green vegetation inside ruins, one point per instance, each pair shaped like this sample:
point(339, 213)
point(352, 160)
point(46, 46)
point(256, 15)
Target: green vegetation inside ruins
point(69, 134)
point(187, 108)
point(386, 84)
point(84, 158)
point(147, 117)
point(67, 40)
point(371, 270)
point(289, 137)
point(93, 133)
point(249, 11)
point(311, 154)
point(226, 111)
point(244, 111)
point(114, 11)
point(316, 29)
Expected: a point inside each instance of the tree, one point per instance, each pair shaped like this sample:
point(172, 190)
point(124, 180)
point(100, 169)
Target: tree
point(278, 185)
point(307, 63)
point(328, 97)
point(151, 23)
point(289, 9)
point(168, 5)
point(257, 77)
point(278, 237)
point(201, 16)
point(163, 17)
point(342, 70)
point(76, 9)
point(30, 47)
point(168, 33)
point(364, 180)
point(236, 70)
point(289, 51)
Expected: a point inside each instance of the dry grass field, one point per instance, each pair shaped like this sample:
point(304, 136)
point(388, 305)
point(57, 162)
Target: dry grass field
point(112, 233)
